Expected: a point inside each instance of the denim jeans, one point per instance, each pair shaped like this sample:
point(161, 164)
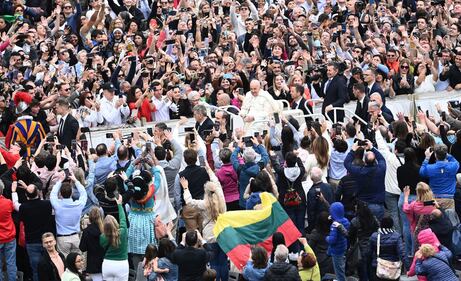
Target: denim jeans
point(8, 250)
point(339, 264)
point(298, 216)
point(407, 237)
point(35, 253)
point(218, 261)
point(392, 209)
point(377, 210)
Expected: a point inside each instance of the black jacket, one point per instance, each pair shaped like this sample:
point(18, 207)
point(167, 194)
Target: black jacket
point(320, 246)
point(207, 125)
point(89, 242)
point(191, 263)
point(284, 183)
point(47, 271)
point(315, 205)
point(302, 106)
point(361, 110)
point(336, 95)
point(197, 177)
point(282, 271)
point(69, 131)
point(38, 219)
point(346, 192)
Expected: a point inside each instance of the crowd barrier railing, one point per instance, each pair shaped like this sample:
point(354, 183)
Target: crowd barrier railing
point(405, 104)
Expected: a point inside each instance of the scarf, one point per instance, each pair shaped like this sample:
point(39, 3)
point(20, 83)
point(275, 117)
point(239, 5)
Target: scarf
point(385, 230)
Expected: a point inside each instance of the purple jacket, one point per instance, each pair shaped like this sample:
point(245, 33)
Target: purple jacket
point(229, 182)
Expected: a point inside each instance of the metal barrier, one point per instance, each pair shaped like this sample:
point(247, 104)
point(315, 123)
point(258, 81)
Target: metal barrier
point(283, 104)
point(335, 119)
point(402, 104)
point(314, 105)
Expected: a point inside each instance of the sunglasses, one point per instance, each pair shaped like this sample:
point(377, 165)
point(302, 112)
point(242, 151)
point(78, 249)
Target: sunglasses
point(67, 7)
point(404, 67)
point(90, 97)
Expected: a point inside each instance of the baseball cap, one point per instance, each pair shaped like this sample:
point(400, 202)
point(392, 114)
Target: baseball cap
point(108, 86)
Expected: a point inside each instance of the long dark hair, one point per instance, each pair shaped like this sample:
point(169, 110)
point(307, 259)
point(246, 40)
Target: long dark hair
point(277, 239)
point(70, 263)
point(165, 248)
point(288, 141)
point(410, 157)
point(366, 218)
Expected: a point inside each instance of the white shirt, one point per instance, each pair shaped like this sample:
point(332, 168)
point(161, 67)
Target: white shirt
point(88, 117)
point(111, 114)
point(426, 86)
point(162, 109)
point(392, 163)
point(260, 108)
point(61, 127)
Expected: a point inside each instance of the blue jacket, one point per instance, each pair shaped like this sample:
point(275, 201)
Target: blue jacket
point(337, 241)
point(442, 176)
point(254, 274)
point(253, 200)
point(370, 179)
point(248, 170)
point(436, 269)
point(391, 247)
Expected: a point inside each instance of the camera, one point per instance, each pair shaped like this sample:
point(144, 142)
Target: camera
point(438, 2)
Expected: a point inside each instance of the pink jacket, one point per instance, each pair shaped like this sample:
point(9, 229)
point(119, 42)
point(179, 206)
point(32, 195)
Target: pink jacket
point(229, 182)
point(426, 236)
point(416, 208)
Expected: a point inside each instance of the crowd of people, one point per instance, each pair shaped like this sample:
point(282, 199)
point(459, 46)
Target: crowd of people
point(375, 197)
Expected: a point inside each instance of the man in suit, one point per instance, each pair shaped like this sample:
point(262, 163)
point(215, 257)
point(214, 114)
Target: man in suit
point(369, 77)
point(386, 112)
point(299, 102)
point(362, 101)
point(68, 125)
point(335, 93)
point(203, 125)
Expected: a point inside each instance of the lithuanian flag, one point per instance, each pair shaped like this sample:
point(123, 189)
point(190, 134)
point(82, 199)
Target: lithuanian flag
point(236, 231)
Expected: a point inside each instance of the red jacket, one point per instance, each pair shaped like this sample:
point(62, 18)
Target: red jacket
point(7, 230)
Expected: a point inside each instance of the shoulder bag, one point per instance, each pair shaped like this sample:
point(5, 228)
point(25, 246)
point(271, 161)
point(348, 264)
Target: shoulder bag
point(384, 268)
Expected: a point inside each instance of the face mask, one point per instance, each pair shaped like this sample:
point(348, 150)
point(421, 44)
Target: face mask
point(451, 138)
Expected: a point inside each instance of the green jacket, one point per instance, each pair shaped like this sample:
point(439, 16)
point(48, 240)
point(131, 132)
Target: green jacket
point(121, 252)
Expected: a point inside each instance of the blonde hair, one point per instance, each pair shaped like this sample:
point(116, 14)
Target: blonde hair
point(214, 200)
point(427, 250)
point(111, 231)
point(79, 174)
point(95, 217)
point(423, 192)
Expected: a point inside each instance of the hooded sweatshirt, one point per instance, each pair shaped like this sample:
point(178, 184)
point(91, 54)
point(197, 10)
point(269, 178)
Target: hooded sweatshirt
point(337, 241)
point(290, 177)
point(426, 236)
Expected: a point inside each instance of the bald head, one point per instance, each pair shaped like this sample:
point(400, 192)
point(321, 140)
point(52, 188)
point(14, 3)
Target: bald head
point(370, 158)
point(223, 100)
point(255, 86)
point(316, 174)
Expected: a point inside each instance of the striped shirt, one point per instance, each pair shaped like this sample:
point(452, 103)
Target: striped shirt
point(28, 132)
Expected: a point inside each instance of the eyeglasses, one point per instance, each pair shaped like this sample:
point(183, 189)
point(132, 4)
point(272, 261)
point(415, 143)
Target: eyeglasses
point(405, 67)
point(67, 7)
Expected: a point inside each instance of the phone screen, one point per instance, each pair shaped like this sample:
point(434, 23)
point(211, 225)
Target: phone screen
point(201, 159)
point(276, 118)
